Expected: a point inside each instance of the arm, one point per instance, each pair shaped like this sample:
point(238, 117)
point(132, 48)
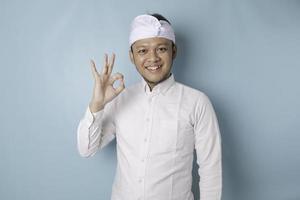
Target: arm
point(97, 129)
point(208, 149)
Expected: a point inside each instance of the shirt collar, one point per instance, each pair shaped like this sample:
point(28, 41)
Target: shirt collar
point(162, 87)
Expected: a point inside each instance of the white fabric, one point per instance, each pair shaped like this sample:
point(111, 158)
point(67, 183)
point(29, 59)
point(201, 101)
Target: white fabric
point(147, 26)
point(156, 134)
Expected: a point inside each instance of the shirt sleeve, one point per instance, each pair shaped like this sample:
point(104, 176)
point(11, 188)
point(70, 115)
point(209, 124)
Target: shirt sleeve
point(95, 130)
point(208, 149)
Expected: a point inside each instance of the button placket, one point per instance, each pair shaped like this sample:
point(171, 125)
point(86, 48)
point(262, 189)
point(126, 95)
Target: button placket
point(145, 147)
point(149, 120)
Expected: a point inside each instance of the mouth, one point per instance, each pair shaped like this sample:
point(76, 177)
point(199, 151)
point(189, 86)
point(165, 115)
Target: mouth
point(153, 68)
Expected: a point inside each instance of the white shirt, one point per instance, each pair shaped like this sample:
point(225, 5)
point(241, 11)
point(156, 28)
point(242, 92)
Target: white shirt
point(156, 133)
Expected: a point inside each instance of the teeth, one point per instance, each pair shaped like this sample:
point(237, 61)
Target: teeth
point(153, 67)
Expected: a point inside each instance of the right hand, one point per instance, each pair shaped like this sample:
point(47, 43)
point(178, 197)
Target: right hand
point(104, 91)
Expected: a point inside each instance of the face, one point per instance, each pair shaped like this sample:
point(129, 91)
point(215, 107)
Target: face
point(153, 58)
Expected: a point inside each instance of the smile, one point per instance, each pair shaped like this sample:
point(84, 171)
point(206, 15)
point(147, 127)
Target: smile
point(153, 68)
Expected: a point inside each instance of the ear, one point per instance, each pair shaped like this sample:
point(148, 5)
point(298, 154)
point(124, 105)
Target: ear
point(174, 51)
point(131, 56)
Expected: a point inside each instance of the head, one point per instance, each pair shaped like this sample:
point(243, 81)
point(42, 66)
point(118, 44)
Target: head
point(152, 48)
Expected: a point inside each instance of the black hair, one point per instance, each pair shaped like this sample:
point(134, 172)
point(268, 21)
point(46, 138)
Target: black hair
point(160, 17)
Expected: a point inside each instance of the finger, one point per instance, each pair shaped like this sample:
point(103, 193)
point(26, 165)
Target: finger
point(94, 69)
point(105, 65)
point(115, 77)
point(111, 63)
point(121, 87)
point(120, 77)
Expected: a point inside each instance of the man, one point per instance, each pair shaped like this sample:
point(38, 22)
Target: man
point(157, 123)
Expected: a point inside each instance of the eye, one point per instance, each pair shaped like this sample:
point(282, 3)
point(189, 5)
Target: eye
point(162, 49)
point(141, 51)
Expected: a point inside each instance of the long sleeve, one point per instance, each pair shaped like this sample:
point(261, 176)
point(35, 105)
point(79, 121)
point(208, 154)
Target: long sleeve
point(208, 149)
point(95, 130)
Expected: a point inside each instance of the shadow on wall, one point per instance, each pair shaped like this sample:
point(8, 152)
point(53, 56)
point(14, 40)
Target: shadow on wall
point(233, 181)
point(180, 63)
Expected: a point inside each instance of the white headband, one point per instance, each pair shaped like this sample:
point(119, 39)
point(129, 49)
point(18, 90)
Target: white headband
point(147, 26)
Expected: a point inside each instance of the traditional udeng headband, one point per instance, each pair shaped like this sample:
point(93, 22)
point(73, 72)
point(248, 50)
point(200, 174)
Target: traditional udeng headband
point(147, 26)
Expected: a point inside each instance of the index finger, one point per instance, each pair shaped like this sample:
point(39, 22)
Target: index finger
point(111, 63)
point(105, 64)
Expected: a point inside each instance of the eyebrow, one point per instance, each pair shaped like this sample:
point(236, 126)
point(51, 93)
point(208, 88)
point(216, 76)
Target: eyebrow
point(145, 44)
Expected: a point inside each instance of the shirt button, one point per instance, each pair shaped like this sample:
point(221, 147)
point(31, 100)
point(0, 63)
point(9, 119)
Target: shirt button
point(145, 140)
point(147, 119)
point(143, 160)
point(140, 180)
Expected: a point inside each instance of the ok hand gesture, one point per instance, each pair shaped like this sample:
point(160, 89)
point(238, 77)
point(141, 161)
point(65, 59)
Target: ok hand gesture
point(104, 90)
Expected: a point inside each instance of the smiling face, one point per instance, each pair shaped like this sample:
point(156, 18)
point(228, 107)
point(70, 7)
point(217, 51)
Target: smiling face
point(153, 58)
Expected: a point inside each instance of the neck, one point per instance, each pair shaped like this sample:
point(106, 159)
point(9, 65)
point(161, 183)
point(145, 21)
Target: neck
point(152, 84)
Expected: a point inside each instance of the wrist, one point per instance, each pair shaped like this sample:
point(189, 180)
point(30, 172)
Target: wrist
point(96, 106)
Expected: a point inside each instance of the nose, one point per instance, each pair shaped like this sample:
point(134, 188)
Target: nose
point(153, 56)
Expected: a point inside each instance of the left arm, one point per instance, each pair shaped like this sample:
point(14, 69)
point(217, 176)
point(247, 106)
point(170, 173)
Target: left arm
point(208, 149)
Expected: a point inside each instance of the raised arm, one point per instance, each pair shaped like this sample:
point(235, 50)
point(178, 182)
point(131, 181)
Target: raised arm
point(96, 128)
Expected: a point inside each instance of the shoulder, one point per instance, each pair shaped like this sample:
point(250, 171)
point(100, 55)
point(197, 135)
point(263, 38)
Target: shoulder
point(193, 95)
point(195, 102)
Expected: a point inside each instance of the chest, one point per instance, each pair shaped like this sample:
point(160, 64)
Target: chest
point(162, 125)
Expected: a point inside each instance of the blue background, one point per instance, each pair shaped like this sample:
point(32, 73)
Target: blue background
point(243, 54)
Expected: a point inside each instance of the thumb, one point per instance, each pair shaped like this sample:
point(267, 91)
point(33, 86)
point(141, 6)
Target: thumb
point(116, 76)
point(121, 86)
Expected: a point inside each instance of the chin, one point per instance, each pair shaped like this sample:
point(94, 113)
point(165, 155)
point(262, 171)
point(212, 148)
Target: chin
point(155, 80)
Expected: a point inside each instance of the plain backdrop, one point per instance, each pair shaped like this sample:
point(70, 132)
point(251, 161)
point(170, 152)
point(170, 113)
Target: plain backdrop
point(243, 54)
